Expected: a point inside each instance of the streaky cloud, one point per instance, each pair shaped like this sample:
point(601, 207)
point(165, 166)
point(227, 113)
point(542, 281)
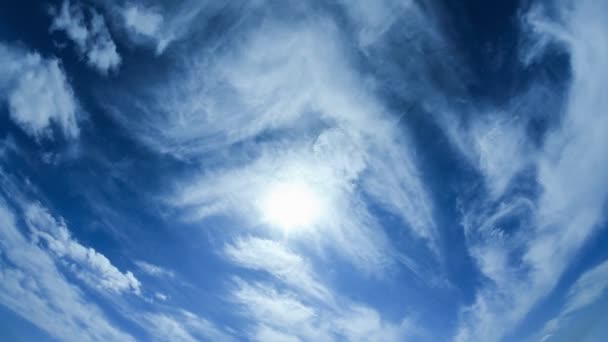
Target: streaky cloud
point(570, 207)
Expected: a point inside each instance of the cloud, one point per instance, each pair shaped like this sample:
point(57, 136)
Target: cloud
point(290, 318)
point(275, 258)
point(286, 95)
point(88, 31)
point(35, 285)
point(294, 85)
point(281, 311)
point(346, 225)
point(373, 20)
point(162, 24)
point(525, 264)
point(182, 326)
point(306, 309)
point(89, 265)
point(142, 20)
point(154, 270)
point(589, 287)
point(37, 93)
point(144, 24)
point(161, 296)
point(264, 333)
point(34, 288)
point(495, 143)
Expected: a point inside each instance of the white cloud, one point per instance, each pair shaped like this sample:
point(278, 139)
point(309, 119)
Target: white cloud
point(347, 226)
point(161, 296)
point(89, 33)
point(154, 270)
point(37, 93)
point(571, 166)
point(88, 264)
point(182, 326)
point(264, 333)
point(289, 317)
point(281, 79)
point(161, 24)
point(589, 287)
point(360, 323)
point(33, 284)
point(142, 20)
point(33, 287)
point(278, 260)
point(144, 24)
point(374, 18)
point(495, 143)
point(306, 309)
point(283, 312)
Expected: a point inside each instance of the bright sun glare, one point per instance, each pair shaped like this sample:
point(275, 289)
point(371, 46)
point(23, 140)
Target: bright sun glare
point(291, 206)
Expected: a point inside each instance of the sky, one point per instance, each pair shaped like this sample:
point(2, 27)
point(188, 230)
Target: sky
point(319, 170)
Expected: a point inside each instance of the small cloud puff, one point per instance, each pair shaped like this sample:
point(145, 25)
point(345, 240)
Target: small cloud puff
point(37, 93)
point(90, 35)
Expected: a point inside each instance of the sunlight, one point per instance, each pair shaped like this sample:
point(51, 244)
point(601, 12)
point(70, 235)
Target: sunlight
point(291, 206)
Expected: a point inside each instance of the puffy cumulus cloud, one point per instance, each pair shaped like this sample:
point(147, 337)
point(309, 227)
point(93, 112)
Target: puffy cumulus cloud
point(33, 287)
point(142, 20)
point(89, 265)
point(589, 287)
point(37, 93)
point(144, 24)
point(526, 263)
point(87, 29)
point(306, 309)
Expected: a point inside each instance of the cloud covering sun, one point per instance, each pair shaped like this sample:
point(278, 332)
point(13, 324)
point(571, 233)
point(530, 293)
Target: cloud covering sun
point(291, 206)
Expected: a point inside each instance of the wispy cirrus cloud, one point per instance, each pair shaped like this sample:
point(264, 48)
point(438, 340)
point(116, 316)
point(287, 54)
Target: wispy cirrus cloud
point(273, 257)
point(524, 265)
point(587, 289)
point(305, 309)
point(369, 108)
point(182, 326)
point(290, 316)
point(281, 78)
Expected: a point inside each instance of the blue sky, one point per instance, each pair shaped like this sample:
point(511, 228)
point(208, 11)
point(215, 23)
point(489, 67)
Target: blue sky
point(303, 170)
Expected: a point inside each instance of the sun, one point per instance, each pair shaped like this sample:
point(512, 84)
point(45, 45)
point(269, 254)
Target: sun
point(291, 206)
